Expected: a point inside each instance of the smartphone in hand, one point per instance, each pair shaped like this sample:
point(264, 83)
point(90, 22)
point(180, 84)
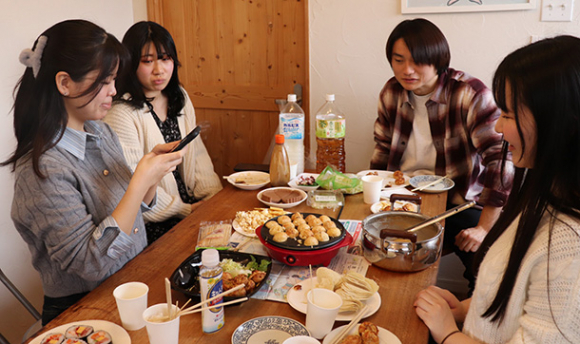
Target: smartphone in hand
point(192, 135)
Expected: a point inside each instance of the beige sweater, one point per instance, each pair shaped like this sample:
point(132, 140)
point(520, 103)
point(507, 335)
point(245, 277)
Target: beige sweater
point(533, 315)
point(139, 133)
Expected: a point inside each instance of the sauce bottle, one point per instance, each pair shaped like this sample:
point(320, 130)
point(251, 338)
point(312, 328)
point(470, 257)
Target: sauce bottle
point(210, 282)
point(279, 164)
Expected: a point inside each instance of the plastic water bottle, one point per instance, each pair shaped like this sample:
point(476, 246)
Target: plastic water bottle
point(210, 281)
point(292, 127)
point(279, 164)
point(330, 132)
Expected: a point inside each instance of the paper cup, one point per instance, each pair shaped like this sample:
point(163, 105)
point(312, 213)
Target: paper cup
point(293, 169)
point(301, 340)
point(159, 330)
point(131, 301)
point(321, 313)
point(372, 186)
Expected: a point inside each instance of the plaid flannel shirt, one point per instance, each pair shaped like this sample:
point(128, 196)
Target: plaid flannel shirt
point(462, 117)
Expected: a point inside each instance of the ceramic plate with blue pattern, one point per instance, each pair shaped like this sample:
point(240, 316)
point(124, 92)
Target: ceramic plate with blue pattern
point(271, 329)
point(443, 185)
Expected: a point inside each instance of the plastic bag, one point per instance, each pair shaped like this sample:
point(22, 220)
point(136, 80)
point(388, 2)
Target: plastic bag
point(331, 179)
point(214, 234)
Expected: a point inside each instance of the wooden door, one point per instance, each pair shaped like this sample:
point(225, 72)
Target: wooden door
point(238, 57)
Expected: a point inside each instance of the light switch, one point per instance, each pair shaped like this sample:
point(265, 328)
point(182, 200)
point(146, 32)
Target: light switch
point(557, 10)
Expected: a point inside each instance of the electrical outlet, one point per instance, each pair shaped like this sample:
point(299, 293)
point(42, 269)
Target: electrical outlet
point(557, 10)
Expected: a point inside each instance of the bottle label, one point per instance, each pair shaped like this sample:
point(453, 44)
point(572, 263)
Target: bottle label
point(212, 319)
point(330, 129)
point(292, 128)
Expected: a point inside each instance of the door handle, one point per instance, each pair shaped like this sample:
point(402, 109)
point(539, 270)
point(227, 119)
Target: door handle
point(297, 92)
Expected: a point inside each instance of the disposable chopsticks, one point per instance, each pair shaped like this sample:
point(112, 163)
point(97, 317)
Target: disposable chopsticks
point(350, 325)
point(189, 309)
point(214, 306)
point(168, 298)
point(429, 184)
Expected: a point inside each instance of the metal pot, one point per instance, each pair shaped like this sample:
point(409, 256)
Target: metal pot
point(387, 245)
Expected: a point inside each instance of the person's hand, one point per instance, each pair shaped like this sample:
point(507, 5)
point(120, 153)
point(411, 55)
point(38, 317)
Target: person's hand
point(167, 147)
point(196, 205)
point(470, 239)
point(438, 309)
point(157, 163)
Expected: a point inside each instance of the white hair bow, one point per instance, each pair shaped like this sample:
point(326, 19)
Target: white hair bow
point(31, 58)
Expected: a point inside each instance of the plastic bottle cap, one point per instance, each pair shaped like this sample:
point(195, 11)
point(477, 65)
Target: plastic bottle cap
point(330, 97)
point(279, 139)
point(291, 97)
point(210, 257)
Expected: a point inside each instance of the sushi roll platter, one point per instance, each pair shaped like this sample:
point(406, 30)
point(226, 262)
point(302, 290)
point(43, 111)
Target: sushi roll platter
point(85, 332)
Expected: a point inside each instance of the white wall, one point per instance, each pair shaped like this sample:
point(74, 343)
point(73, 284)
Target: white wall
point(347, 55)
point(21, 21)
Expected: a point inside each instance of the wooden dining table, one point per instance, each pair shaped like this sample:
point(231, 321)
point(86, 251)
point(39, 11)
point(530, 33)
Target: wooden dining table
point(159, 260)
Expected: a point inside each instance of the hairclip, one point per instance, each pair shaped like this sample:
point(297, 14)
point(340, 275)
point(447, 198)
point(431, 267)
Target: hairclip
point(31, 58)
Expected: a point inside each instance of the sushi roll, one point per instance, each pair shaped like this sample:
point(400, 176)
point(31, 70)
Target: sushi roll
point(53, 338)
point(74, 341)
point(100, 337)
point(79, 331)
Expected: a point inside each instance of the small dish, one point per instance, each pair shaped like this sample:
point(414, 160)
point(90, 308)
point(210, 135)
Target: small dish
point(249, 180)
point(270, 329)
point(236, 226)
point(388, 178)
point(185, 278)
point(386, 205)
point(118, 334)
point(294, 182)
point(302, 197)
point(385, 336)
point(443, 185)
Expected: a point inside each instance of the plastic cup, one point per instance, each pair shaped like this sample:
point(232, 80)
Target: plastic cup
point(372, 186)
point(293, 169)
point(131, 301)
point(301, 340)
point(159, 330)
point(321, 311)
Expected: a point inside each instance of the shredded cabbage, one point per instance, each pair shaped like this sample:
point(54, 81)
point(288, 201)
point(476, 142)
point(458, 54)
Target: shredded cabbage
point(234, 268)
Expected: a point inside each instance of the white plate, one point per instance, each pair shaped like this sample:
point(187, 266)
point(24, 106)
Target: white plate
point(270, 329)
point(241, 231)
point(443, 185)
point(283, 205)
point(118, 334)
point(297, 299)
point(385, 336)
point(294, 182)
point(387, 178)
point(254, 179)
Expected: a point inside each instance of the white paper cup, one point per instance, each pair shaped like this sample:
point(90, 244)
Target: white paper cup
point(372, 186)
point(321, 314)
point(293, 169)
point(131, 301)
point(301, 340)
point(166, 332)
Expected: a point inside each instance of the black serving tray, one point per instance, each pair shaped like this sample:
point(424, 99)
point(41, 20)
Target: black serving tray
point(185, 278)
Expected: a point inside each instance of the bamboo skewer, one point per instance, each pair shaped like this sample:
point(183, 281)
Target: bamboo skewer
point(311, 283)
point(350, 325)
point(422, 187)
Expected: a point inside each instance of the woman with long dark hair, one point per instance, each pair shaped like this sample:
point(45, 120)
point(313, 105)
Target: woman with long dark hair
point(76, 203)
point(153, 108)
point(528, 281)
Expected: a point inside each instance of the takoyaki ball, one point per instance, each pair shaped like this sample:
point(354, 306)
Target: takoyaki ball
point(288, 225)
point(333, 232)
point(311, 241)
point(322, 236)
point(296, 216)
point(303, 227)
point(329, 225)
point(277, 229)
point(314, 222)
point(324, 218)
point(310, 217)
point(280, 237)
point(398, 174)
point(283, 219)
point(306, 234)
point(299, 222)
point(291, 232)
point(319, 228)
point(271, 224)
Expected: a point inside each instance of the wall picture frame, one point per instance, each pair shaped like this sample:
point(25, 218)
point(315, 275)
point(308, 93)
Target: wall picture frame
point(450, 6)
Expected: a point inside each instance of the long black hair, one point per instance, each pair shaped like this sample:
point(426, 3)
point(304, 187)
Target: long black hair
point(73, 46)
point(545, 78)
point(141, 35)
